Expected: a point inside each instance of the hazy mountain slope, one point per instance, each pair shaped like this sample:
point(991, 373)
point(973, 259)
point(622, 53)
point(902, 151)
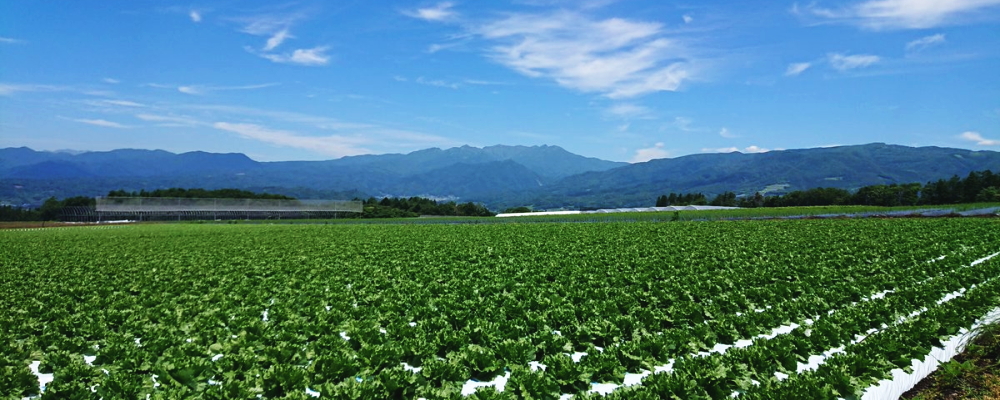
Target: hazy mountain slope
point(473, 180)
point(847, 167)
point(500, 176)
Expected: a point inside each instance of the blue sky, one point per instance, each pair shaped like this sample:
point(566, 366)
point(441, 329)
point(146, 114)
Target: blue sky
point(618, 80)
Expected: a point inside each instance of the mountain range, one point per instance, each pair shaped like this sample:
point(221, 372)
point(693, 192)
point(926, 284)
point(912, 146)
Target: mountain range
point(499, 176)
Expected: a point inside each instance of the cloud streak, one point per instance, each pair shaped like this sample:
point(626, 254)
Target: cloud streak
point(615, 57)
point(797, 68)
point(843, 63)
point(978, 139)
point(277, 28)
point(313, 57)
point(440, 12)
point(10, 89)
point(629, 110)
point(749, 150)
point(658, 150)
point(903, 14)
point(724, 132)
point(925, 42)
point(333, 145)
point(101, 123)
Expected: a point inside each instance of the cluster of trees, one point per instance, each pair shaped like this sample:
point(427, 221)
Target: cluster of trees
point(200, 194)
point(49, 210)
point(682, 199)
point(399, 207)
point(978, 186)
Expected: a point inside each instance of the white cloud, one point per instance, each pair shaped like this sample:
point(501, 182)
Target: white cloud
point(979, 139)
point(195, 16)
point(724, 132)
point(436, 82)
point(440, 12)
point(748, 150)
point(483, 82)
point(10, 40)
point(687, 19)
point(684, 124)
point(269, 24)
point(797, 68)
point(334, 145)
point(206, 89)
point(189, 90)
point(276, 39)
point(721, 150)
point(629, 110)
point(616, 57)
point(101, 122)
point(277, 29)
point(904, 14)
point(650, 153)
point(124, 103)
point(9, 89)
point(843, 63)
point(111, 80)
point(169, 120)
point(315, 56)
point(925, 42)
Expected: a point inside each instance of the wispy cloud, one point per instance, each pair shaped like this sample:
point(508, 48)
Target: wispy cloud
point(925, 42)
point(842, 62)
point(650, 153)
point(195, 15)
point(123, 103)
point(277, 27)
point(687, 19)
point(797, 68)
point(315, 56)
point(274, 26)
point(979, 139)
point(440, 12)
point(102, 123)
point(9, 89)
point(334, 145)
point(207, 89)
point(436, 82)
point(902, 14)
point(685, 124)
point(748, 149)
point(170, 120)
point(111, 81)
point(629, 110)
point(366, 135)
point(277, 39)
point(8, 40)
point(724, 132)
point(615, 57)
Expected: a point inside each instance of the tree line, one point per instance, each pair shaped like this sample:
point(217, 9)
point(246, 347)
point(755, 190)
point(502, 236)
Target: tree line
point(200, 194)
point(401, 207)
point(387, 207)
point(977, 187)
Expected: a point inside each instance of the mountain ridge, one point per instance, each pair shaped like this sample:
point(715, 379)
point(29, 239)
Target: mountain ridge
point(499, 176)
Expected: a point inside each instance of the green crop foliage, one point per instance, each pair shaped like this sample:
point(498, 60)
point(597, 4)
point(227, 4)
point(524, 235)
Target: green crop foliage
point(350, 311)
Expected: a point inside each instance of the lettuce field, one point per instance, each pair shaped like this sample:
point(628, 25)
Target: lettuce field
point(755, 309)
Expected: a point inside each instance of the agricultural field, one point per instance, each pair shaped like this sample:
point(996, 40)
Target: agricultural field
point(639, 310)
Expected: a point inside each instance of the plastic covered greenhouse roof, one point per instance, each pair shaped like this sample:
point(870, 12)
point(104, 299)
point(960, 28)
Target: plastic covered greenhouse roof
point(620, 210)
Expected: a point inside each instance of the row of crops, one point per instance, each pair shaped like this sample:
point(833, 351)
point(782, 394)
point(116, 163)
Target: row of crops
point(757, 309)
